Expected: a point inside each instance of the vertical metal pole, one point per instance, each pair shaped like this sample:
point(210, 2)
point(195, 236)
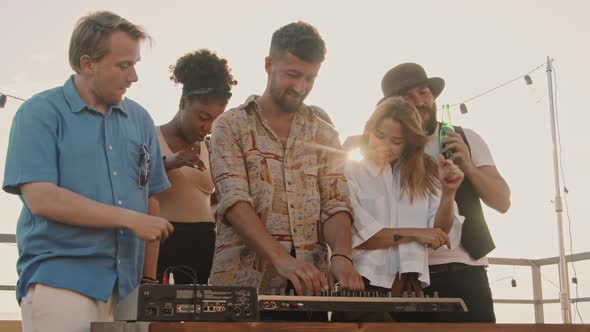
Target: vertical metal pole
point(564, 289)
point(537, 293)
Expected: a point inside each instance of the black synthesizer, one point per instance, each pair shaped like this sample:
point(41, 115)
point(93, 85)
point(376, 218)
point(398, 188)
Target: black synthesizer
point(189, 303)
point(361, 301)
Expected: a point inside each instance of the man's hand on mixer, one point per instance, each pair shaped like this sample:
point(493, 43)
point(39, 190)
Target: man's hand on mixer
point(305, 277)
point(343, 272)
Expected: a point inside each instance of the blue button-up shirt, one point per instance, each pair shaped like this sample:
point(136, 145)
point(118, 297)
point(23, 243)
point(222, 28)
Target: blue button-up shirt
point(56, 137)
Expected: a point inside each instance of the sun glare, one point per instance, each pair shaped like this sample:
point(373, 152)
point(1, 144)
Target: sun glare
point(355, 155)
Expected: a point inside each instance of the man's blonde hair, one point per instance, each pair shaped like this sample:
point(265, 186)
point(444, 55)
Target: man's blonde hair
point(91, 35)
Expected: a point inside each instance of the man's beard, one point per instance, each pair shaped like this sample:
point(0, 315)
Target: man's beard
point(281, 101)
point(429, 125)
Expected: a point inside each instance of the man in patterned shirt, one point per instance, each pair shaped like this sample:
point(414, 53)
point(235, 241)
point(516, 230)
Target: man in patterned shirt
point(278, 171)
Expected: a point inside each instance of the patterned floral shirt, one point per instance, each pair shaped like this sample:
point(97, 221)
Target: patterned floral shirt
point(293, 189)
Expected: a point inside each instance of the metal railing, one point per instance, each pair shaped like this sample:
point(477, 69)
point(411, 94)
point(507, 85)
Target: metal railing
point(535, 264)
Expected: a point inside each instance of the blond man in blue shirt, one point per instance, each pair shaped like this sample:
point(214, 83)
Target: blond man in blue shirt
point(85, 160)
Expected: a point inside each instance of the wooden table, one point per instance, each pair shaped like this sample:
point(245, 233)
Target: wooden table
point(330, 327)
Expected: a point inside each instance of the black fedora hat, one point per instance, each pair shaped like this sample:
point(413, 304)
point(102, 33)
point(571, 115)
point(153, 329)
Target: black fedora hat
point(406, 76)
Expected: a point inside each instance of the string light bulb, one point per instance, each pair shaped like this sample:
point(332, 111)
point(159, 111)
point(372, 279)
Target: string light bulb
point(4, 97)
point(532, 88)
point(526, 77)
point(463, 108)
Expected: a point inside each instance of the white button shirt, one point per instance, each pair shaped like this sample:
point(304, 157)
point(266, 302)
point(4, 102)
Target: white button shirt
point(378, 203)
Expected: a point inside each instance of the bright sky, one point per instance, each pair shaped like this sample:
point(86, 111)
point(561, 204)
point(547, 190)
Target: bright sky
point(473, 45)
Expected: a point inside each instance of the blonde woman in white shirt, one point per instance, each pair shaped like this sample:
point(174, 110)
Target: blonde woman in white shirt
point(403, 200)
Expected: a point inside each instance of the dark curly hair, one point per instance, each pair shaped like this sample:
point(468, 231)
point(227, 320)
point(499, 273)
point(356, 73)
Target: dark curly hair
point(203, 74)
point(300, 39)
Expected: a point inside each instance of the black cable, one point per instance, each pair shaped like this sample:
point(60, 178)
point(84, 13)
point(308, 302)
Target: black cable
point(195, 303)
point(14, 97)
point(543, 277)
point(504, 278)
point(567, 212)
point(499, 86)
point(193, 275)
point(187, 270)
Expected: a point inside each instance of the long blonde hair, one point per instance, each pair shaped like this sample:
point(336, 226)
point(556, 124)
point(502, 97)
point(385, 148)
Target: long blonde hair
point(418, 171)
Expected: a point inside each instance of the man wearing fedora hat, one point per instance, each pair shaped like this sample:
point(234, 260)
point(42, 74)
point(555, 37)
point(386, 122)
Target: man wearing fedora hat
point(460, 271)
point(409, 80)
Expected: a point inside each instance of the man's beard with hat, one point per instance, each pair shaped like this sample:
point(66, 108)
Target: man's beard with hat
point(429, 125)
point(403, 77)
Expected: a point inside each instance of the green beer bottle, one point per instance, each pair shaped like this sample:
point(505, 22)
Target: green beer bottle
point(445, 128)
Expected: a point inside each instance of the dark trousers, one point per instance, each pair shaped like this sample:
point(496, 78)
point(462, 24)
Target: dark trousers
point(188, 253)
point(458, 280)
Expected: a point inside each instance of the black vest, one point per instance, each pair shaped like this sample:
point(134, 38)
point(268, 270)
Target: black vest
point(476, 237)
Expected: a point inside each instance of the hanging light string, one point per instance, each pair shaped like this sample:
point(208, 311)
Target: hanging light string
point(529, 81)
point(4, 97)
point(14, 97)
point(526, 77)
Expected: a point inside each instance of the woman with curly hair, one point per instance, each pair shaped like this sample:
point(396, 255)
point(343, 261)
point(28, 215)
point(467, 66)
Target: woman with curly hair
point(206, 84)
